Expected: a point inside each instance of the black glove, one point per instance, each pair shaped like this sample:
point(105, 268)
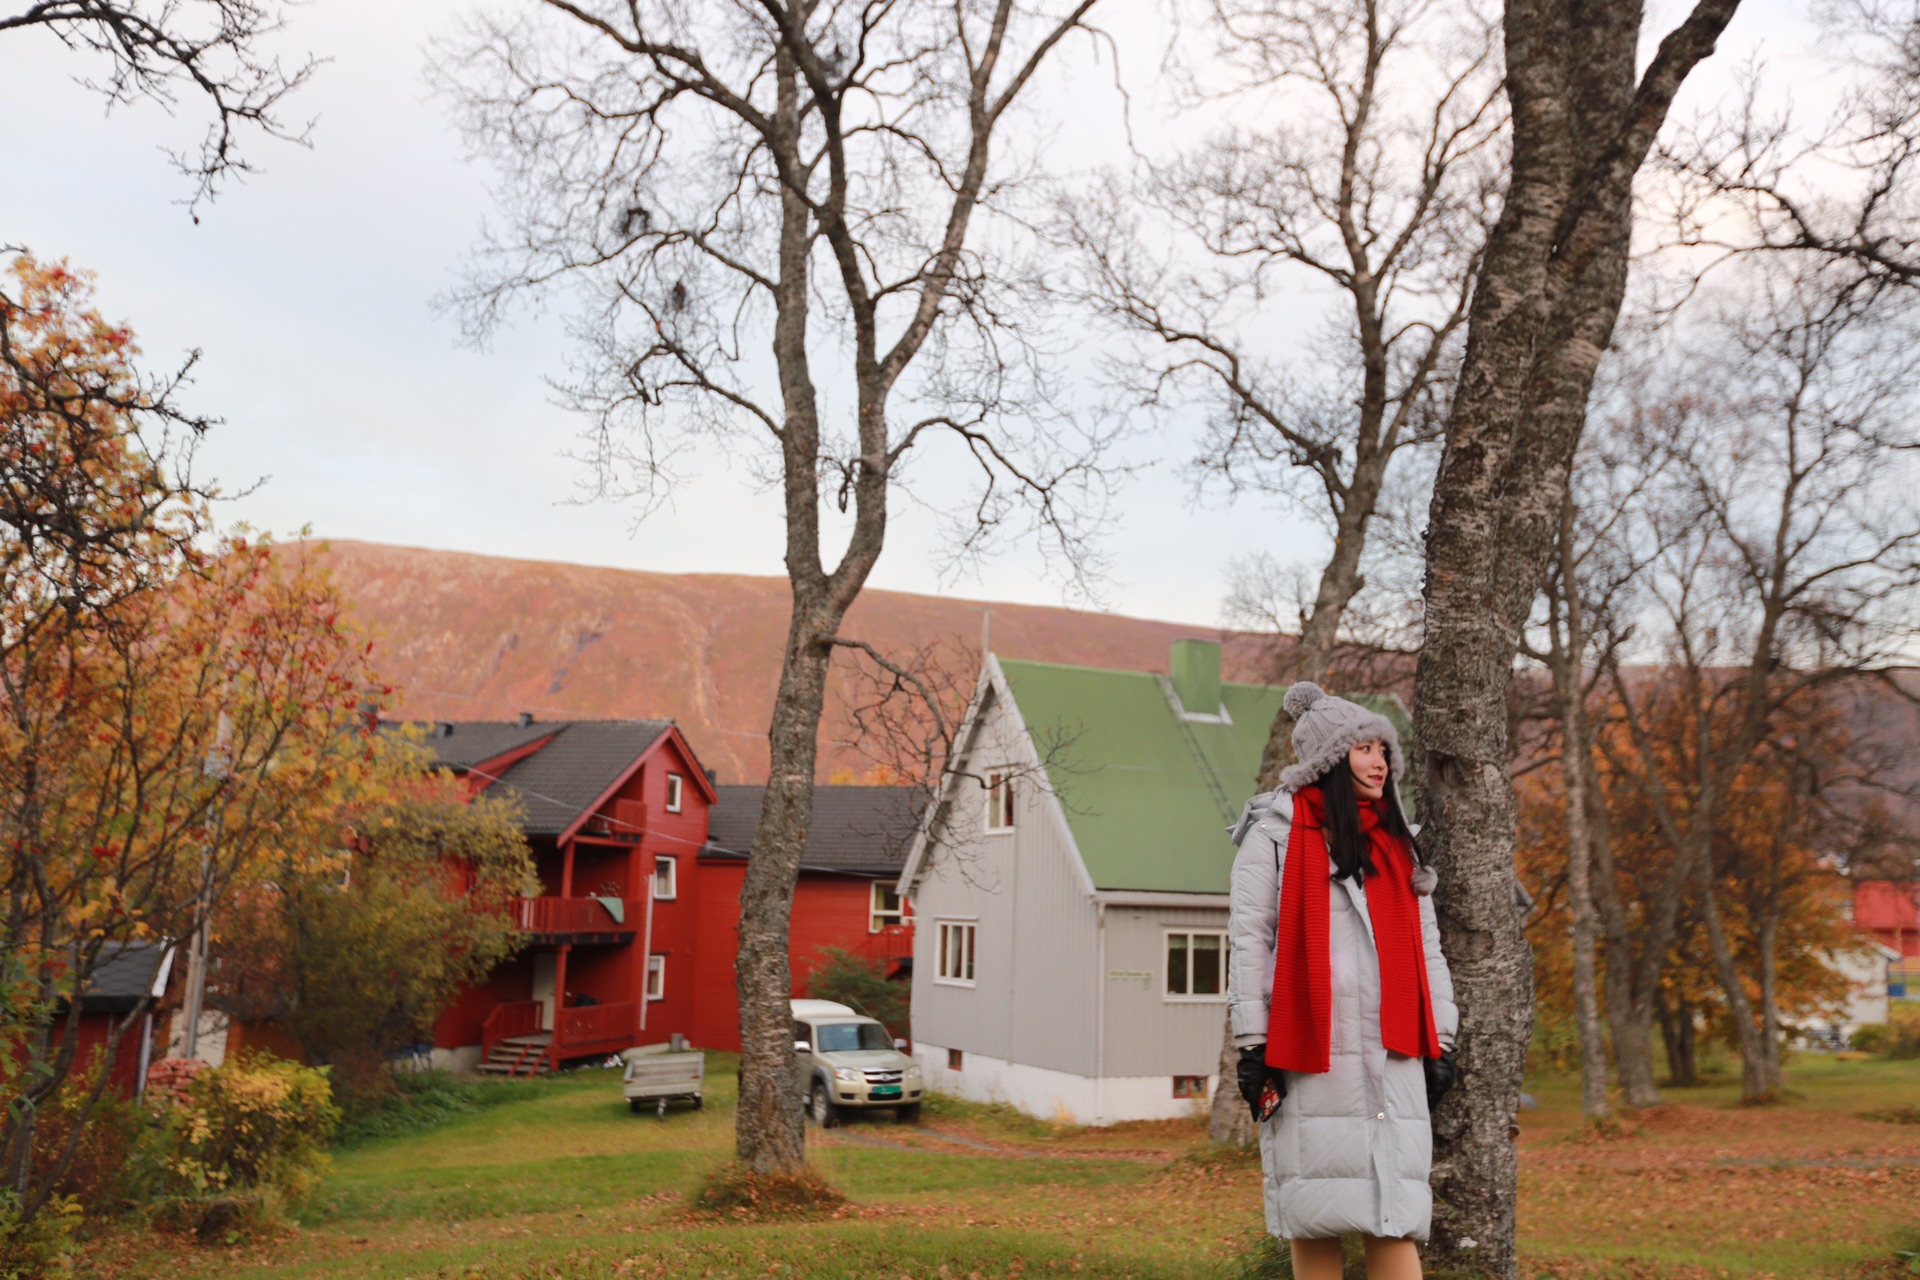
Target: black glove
point(1256, 1078)
point(1442, 1073)
point(1252, 1072)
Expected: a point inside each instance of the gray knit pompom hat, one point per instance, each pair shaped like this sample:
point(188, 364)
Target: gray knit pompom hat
point(1325, 728)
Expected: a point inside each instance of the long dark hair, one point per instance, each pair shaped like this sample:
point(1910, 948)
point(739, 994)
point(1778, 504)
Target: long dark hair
point(1346, 842)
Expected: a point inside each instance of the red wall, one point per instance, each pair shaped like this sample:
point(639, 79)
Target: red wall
point(697, 930)
point(828, 911)
point(96, 1029)
point(1890, 911)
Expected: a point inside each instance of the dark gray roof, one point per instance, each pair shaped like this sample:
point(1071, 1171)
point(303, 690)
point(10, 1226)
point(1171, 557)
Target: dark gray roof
point(123, 974)
point(559, 782)
point(857, 829)
point(461, 744)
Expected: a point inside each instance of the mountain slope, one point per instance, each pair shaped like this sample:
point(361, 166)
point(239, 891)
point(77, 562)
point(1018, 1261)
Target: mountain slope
point(480, 637)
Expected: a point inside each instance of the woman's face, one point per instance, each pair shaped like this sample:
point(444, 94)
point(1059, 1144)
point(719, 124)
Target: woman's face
point(1368, 760)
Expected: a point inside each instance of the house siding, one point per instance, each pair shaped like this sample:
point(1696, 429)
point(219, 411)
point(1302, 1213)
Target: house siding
point(1148, 1034)
point(1034, 998)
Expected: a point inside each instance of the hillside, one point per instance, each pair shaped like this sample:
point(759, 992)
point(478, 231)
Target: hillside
point(480, 637)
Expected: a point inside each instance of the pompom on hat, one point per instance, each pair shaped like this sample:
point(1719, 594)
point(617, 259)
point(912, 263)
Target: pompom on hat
point(1325, 728)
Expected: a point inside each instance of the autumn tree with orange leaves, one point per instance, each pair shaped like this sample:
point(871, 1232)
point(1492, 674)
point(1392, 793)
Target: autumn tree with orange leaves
point(175, 708)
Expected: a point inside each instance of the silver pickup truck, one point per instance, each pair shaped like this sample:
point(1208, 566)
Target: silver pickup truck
point(851, 1061)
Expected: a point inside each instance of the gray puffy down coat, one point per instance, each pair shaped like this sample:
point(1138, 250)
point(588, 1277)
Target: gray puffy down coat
point(1350, 1149)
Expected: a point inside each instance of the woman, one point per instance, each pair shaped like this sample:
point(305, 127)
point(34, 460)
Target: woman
point(1341, 1002)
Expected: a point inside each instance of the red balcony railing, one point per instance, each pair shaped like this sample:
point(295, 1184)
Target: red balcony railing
point(888, 943)
point(598, 1023)
point(571, 915)
point(520, 1018)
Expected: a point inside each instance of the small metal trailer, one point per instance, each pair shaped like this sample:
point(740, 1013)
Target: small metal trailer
point(658, 1077)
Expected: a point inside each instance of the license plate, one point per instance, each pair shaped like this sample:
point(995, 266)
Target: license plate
point(886, 1091)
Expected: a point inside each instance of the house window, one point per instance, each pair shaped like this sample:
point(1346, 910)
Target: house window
point(886, 906)
point(1000, 800)
point(956, 953)
point(673, 792)
point(666, 878)
point(656, 977)
point(1194, 968)
point(953, 1059)
point(1189, 1086)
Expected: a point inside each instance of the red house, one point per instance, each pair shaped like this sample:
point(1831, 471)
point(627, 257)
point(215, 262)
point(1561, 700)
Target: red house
point(634, 935)
point(610, 806)
point(1890, 911)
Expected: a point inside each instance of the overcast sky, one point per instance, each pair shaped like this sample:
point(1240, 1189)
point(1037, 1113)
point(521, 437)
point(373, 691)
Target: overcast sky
point(350, 400)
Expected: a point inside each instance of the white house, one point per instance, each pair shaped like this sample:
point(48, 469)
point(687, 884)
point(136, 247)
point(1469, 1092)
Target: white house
point(1070, 887)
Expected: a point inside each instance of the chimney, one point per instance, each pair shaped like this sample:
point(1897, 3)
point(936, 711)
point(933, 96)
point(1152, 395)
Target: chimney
point(1196, 676)
point(444, 729)
point(526, 718)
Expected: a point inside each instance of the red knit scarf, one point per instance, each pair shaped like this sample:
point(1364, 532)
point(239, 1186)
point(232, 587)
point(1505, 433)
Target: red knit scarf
point(1300, 1019)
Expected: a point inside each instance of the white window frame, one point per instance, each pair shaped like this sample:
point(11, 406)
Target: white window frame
point(676, 786)
point(998, 816)
point(672, 867)
point(877, 917)
point(657, 976)
point(972, 952)
point(1166, 956)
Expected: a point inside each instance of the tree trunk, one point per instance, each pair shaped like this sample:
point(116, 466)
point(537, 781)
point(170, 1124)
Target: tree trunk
point(1586, 995)
point(1550, 288)
point(1687, 1043)
point(1340, 581)
point(1753, 1065)
point(1229, 1119)
point(1630, 1018)
point(770, 1126)
point(1680, 1038)
point(1770, 1031)
point(1583, 799)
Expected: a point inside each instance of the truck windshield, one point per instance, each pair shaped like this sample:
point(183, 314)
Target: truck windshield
point(838, 1037)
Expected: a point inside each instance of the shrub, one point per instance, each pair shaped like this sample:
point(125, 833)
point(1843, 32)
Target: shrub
point(420, 1100)
point(31, 1250)
point(861, 985)
point(1897, 1038)
point(249, 1136)
point(99, 1175)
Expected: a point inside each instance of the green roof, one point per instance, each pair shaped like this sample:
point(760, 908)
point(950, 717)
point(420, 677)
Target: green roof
point(1148, 794)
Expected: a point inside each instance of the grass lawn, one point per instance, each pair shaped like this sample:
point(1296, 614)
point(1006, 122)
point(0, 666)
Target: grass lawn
point(560, 1182)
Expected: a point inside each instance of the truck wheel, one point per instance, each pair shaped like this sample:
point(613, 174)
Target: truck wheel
point(698, 1102)
point(633, 1105)
point(824, 1113)
point(909, 1114)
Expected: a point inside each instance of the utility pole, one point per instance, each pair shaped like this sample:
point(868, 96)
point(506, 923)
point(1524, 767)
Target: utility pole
point(218, 765)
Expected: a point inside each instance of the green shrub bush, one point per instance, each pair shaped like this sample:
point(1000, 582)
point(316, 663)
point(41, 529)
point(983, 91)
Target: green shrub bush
point(248, 1137)
point(36, 1249)
point(420, 1100)
point(1897, 1038)
point(862, 986)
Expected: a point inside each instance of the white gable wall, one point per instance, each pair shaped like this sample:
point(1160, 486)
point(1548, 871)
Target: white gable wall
point(1033, 1002)
point(1032, 1030)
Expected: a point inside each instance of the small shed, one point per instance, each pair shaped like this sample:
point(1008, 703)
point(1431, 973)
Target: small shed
point(117, 1009)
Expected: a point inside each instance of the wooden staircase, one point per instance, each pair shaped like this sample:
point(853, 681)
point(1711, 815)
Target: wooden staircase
point(520, 1055)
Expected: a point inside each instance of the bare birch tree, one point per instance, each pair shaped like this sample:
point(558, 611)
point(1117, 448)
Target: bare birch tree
point(1785, 558)
point(158, 50)
point(775, 224)
point(1754, 180)
point(1549, 291)
point(1378, 180)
